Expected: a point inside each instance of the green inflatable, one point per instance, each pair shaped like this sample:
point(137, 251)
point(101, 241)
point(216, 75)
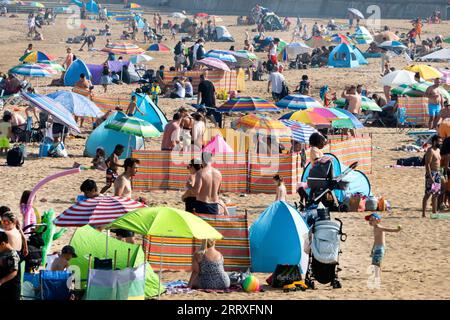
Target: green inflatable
point(50, 234)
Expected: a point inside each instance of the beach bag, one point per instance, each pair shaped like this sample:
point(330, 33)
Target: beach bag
point(411, 162)
point(357, 203)
point(14, 157)
point(371, 203)
point(284, 274)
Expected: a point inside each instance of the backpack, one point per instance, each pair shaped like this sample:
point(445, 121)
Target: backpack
point(14, 157)
point(284, 90)
point(200, 53)
point(177, 49)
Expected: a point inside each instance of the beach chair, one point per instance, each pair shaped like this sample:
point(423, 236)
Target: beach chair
point(54, 285)
point(404, 121)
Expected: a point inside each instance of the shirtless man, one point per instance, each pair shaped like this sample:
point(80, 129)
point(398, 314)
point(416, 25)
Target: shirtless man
point(113, 165)
point(432, 174)
point(132, 107)
point(354, 102)
point(206, 187)
point(122, 188)
point(435, 103)
point(186, 125)
point(62, 262)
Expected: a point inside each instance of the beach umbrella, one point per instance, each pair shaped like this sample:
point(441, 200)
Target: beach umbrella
point(76, 104)
point(298, 102)
point(392, 45)
point(201, 15)
point(257, 122)
point(351, 117)
point(52, 107)
point(300, 131)
point(308, 117)
point(356, 13)
point(177, 15)
point(362, 36)
point(446, 76)
point(123, 48)
point(244, 58)
point(214, 63)
point(97, 211)
point(134, 126)
point(406, 90)
point(426, 72)
point(51, 65)
point(246, 104)
point(166, 222)
point(30, 70)
point(36, 5)
point(141, 58)
point(398, 77)
point(296, 48)
point(159, 47)
point(133, 5)
point(36, 56)
point(367, 104)
point(423, 86)
point(225, 56)
point(440, 55)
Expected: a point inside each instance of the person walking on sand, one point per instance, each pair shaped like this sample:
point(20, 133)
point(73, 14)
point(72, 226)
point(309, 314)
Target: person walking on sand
point(113, 165)
point(281, 188)
point(378, 249)
point(432, 174)
point(435, 103)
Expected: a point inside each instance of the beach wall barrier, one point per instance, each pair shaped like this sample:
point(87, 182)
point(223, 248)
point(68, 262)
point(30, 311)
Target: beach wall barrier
point(389, 9)
point(243, 172)
point(416, 110)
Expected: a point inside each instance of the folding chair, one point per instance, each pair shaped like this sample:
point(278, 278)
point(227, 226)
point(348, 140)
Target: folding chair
point(54, 285)
point(404, 121)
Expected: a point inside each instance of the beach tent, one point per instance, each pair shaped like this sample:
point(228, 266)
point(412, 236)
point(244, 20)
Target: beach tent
point(114, 66)
point(218, 145)
point(359, 55)
point(72, 74)
point(362, 36)
point(78, 3)
point(278, 237)
point(92, 7)
point(343, 56)
point(152, 113)
point(358, 181)
point(272, 22)
point(86, 240)
point(223, 35)
point(108, 139)
point(440, 55)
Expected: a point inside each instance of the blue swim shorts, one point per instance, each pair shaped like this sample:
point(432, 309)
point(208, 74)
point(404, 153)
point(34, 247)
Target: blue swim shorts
point(377, 255)
point(434, 109)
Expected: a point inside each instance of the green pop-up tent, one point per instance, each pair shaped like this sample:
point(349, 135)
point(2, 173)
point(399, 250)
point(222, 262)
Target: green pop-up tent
point(87, 240)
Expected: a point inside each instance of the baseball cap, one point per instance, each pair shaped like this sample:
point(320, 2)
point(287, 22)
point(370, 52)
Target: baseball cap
point(375, 215)
point(69, 250)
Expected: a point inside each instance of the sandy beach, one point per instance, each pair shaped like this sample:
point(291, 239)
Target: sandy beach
point(417, 261)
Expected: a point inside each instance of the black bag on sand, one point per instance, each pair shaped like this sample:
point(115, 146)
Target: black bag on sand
point(284, 274)
point(411, 162)
point(14, 157)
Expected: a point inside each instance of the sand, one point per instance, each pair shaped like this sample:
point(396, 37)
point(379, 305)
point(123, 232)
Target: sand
point(416, 265)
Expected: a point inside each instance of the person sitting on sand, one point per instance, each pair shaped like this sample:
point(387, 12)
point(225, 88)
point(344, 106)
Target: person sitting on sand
point(207, 269)
point(62, 262)
point(112, 164)
point(378, 248)
point(206, 187)
point(281, 192)
point(432, 174)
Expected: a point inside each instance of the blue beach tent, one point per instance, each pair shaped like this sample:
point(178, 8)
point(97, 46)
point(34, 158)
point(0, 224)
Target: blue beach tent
point(152, 113)
point(72, 74)
point(278, 237)
point(344, 56)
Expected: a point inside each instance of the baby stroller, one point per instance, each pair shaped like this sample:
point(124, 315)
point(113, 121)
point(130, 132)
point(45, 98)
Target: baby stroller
point(325, 236)
point(35, 243)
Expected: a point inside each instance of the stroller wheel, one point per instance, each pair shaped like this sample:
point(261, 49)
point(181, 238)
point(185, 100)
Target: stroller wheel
point(336, 284)
point(309, 283)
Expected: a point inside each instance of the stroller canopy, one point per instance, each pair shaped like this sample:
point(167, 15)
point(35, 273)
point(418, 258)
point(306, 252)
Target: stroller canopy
point(358, 181)
point(278, 237)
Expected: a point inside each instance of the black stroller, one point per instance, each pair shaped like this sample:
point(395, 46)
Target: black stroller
point(35, 243)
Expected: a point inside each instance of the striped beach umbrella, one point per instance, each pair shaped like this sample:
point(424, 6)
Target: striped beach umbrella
point(426, 72)
point(76, 104)
point(50, 65)
point(141, 58)
point(123, 48)
point(351, 117)
point(246, 104)
point(97, 211)
point(308, 117)
point(222, 55)
point(52, 107)
point(298, 102)
point(30, 70)
point(244, 58)
point(36, 56)
point(260, 124)
point(367, 104)
point(159, 47)
point(214, 63)
point(392, 45)
point(300, 131)
point(134, 126)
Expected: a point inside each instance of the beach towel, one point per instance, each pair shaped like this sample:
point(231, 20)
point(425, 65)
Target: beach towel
point(176, 253)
